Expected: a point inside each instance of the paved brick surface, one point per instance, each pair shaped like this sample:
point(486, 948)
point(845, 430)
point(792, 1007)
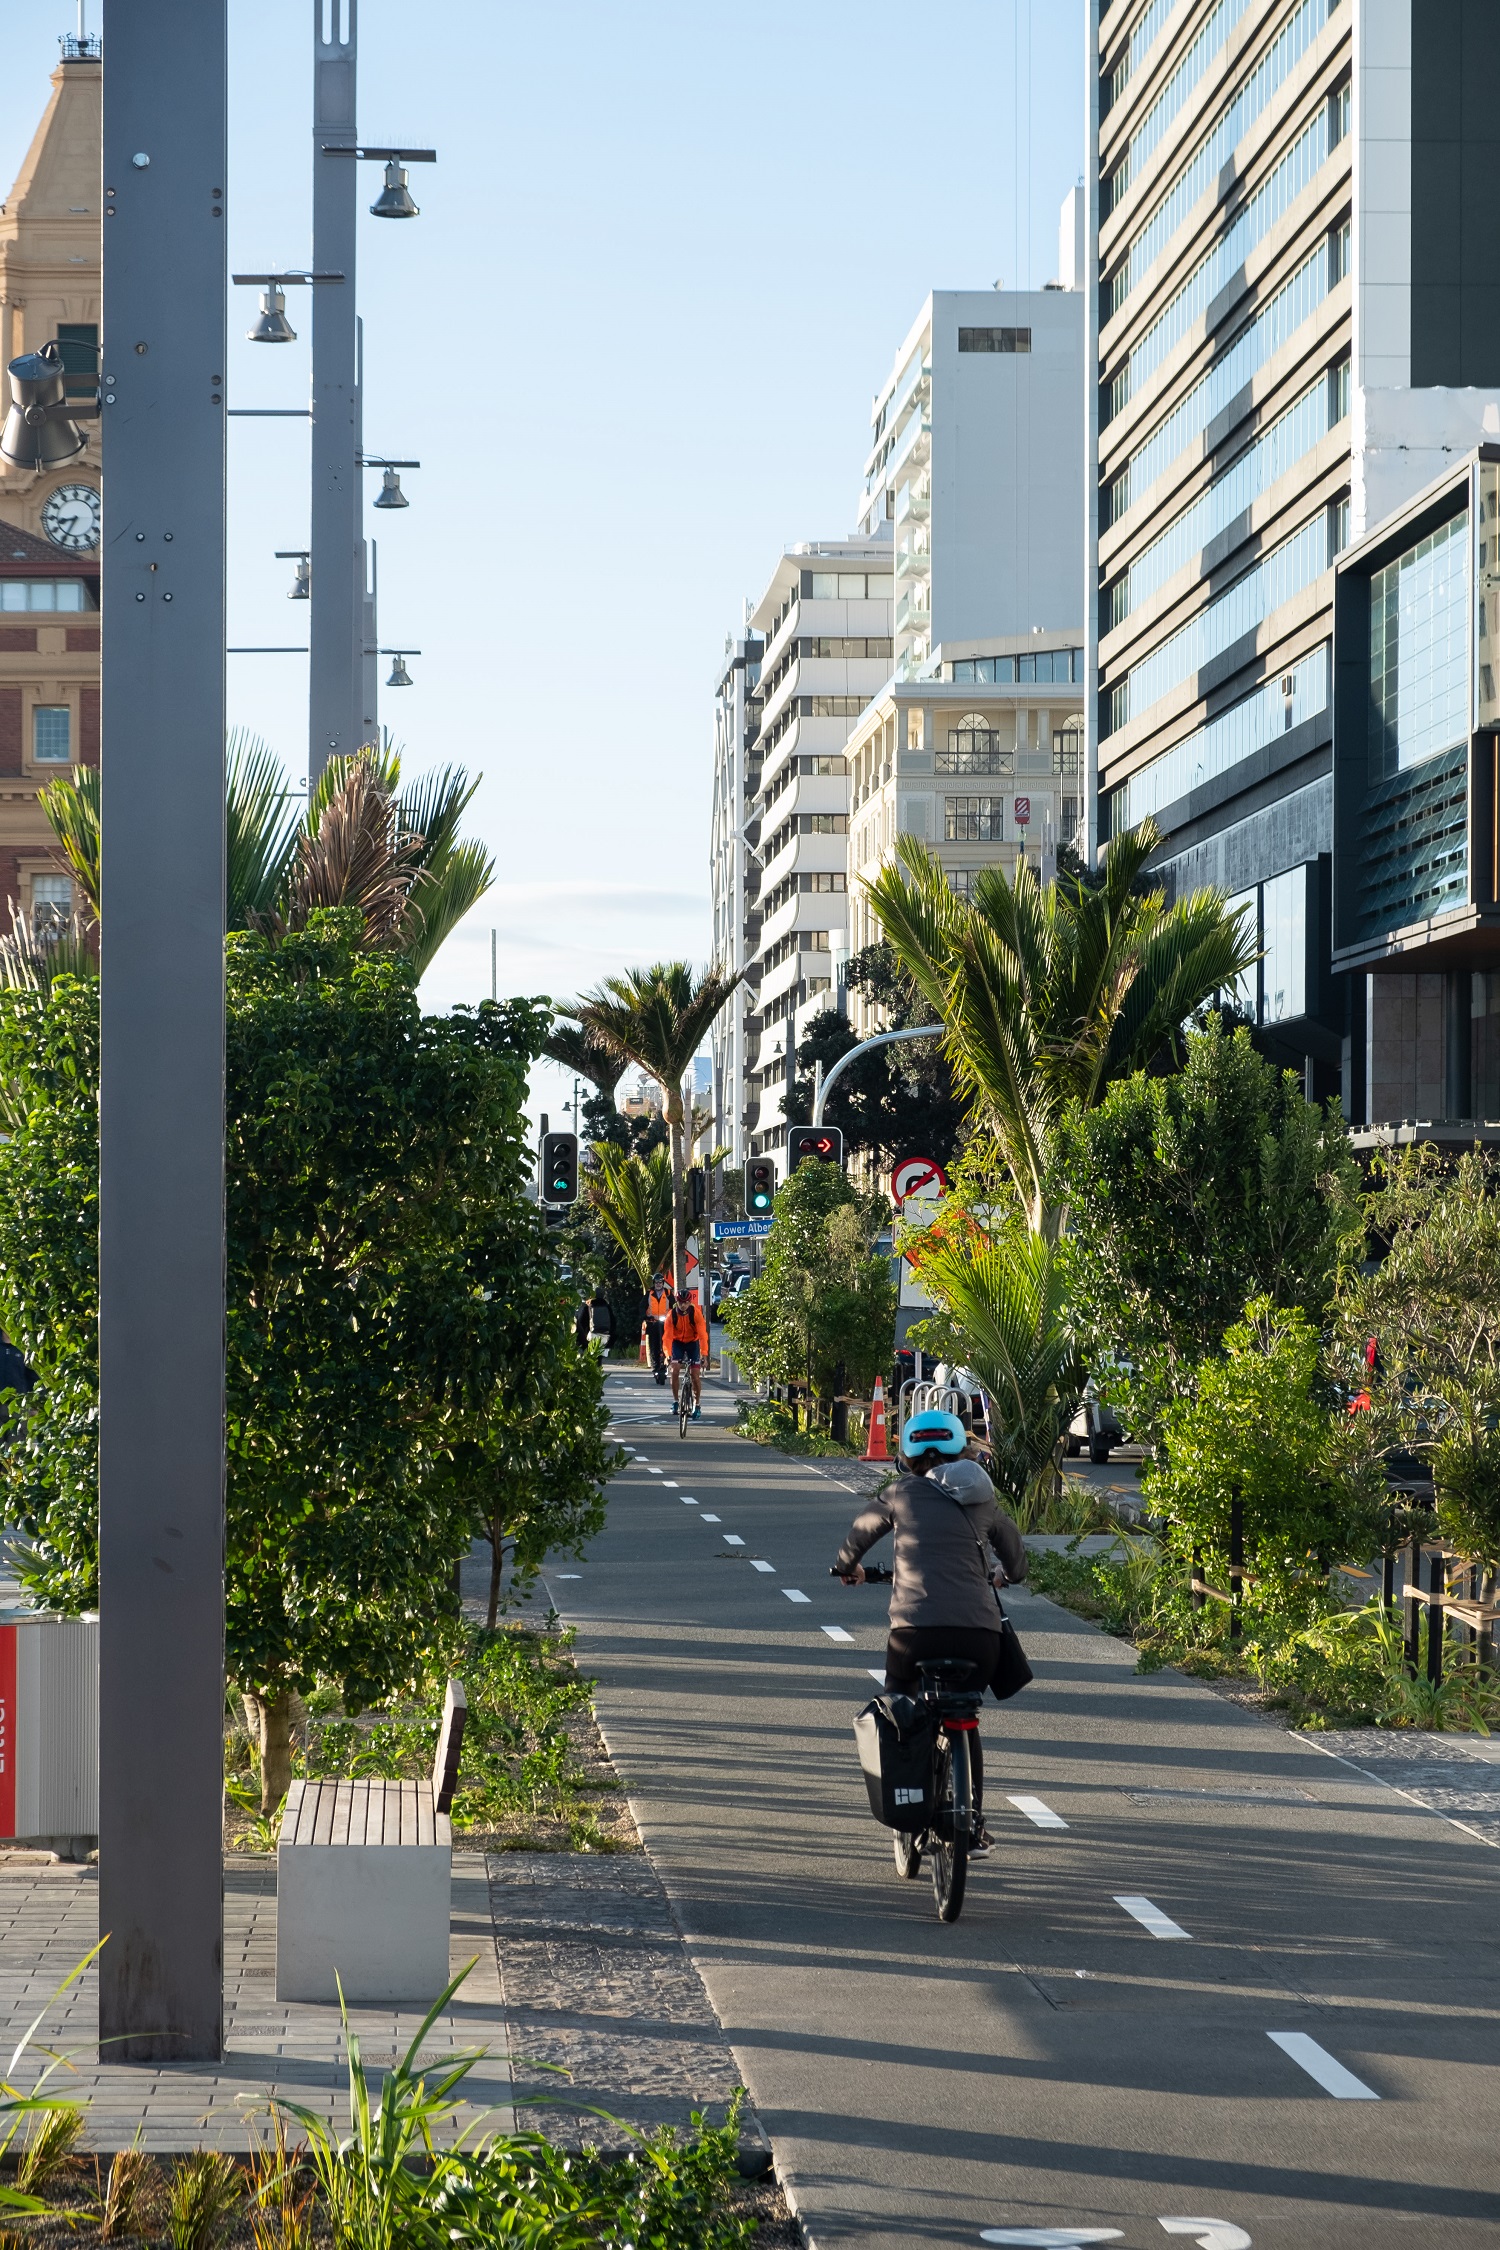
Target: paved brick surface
point(48, 1922)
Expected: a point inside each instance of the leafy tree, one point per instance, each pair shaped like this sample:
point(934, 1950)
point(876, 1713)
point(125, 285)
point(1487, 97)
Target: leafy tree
point(1259, 1430)
point(1186, 1196)
point(659, 1018)
point(898, 1101)
point(1431, 1304)
point(1049, 991)
point(1007, 1317)
point(390, 1295)
point(824, 1309)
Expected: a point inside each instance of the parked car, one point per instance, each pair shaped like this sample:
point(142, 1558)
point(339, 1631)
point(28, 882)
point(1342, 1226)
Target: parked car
point(1095, 1425)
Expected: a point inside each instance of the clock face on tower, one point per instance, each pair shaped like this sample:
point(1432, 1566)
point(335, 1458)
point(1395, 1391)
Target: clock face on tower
point(70, 517)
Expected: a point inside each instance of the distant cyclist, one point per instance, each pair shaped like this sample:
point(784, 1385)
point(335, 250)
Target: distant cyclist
point(658, 1312)
point(685, 1338)
point(944, 1602)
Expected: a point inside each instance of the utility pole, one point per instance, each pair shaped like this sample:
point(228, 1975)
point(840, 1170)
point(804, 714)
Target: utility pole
point(161, 1114)
point(338, 721)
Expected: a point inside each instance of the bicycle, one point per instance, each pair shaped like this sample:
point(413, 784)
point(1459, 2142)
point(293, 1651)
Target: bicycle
point(954, 1709)
point(685, 1402)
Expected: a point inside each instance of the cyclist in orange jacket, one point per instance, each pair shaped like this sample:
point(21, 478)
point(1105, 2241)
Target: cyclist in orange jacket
point(685, 1338)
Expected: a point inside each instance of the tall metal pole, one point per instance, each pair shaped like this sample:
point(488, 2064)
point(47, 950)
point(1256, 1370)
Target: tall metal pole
point(336, 712)
point(161, 1163)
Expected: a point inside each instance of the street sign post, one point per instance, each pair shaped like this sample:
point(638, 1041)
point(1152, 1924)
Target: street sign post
point(917, 1175)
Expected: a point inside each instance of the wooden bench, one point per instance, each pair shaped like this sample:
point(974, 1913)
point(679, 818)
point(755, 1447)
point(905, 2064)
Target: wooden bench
point(363, 1878)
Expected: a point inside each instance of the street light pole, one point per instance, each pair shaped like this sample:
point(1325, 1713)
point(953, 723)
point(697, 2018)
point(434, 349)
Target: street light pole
point(340, 680)
point(161, 1112)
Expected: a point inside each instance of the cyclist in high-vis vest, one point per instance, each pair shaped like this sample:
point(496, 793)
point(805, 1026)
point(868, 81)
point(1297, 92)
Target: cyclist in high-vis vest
point(685, 1337)
point(658, 1311)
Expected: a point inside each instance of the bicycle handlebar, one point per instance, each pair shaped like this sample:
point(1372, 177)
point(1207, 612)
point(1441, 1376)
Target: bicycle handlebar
point(874, 1574)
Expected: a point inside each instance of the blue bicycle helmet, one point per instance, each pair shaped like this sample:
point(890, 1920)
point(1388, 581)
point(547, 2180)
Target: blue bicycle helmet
point(934, 1433)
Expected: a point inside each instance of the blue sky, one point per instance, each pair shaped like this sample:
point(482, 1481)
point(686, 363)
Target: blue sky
point(663, 261)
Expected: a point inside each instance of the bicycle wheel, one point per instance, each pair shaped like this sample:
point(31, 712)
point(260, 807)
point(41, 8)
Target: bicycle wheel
point(685, 1406)
point(950, 1852)
point(908, 1855)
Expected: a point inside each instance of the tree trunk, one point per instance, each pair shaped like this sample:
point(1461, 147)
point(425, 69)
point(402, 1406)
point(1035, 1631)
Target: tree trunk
point(679, 1208)
point(270, 1720)
point(497, 1556)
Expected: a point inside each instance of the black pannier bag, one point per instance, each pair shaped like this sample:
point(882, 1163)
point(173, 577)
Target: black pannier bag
point(894, 1736)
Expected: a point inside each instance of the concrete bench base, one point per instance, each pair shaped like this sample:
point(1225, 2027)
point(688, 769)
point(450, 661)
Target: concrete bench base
point(363, 1881)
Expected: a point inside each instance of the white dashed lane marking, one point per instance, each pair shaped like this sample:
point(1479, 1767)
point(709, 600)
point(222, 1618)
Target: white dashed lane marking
point(756, 1564)
point(1150, 1917)
point(710, 1519)
point(689, 1503)
point(670, 1485)
point(837, 1633)
point(1325, 2068)
point(1040, 1815)
point(794, 1594)
point(733, 1539)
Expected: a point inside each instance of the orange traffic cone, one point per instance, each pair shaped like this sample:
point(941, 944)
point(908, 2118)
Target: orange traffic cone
point(875, 1447)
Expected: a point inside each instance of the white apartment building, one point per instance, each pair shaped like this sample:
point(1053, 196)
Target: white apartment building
point(734, 877)
point(982, 759)
point(823, 626)
point(977, 464)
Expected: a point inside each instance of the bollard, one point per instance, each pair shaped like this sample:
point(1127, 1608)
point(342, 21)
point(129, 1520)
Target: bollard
point(1436, 1588)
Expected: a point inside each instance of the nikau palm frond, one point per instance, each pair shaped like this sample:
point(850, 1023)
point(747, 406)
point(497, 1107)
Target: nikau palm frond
point(1048, 991)
point(633, 1197)
point(1006, 1292)
point(71, 804)
point(261, 818)
point(578, 1050)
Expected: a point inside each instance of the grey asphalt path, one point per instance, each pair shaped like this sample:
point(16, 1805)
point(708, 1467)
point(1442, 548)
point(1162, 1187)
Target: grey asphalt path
point(1047, 2062)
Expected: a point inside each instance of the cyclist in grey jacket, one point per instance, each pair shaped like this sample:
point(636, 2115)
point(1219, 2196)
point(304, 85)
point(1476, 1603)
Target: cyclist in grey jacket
point(955, 1546)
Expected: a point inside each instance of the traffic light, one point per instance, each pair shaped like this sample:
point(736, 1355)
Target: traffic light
point(825, 1142)
point(760, 1187)
point(695, 1192)
point(559, 1170)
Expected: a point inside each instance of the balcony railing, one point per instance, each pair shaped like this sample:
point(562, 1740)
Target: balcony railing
point(914, 610)
point(917, 557)
point(914, 502)
point(978, 760)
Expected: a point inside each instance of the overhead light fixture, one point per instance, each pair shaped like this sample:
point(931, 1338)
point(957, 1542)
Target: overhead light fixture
point(300, 590)
point(394, 200)
point(41, 425)
point(400, 677)
point(271, 323)
point(390, 494)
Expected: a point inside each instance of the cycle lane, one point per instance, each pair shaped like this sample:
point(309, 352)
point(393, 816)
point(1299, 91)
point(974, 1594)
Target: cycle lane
point(1048, 2062)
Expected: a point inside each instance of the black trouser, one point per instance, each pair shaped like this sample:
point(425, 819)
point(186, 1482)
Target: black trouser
point(653, 1345)
point(909, 1645)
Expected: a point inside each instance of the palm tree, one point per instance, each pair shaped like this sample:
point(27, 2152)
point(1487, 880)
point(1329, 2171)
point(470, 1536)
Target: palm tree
point(658, 1018)
point(1048, 991)
point(360, 842)
point(1006, 1294)
point(632, 1195)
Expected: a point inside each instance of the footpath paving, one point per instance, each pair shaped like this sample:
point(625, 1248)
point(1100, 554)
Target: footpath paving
point(1213, 1983)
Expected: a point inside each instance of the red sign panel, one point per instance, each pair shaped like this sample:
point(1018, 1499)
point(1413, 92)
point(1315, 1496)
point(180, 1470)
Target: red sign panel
point(7, 1730)
point(1023, 811)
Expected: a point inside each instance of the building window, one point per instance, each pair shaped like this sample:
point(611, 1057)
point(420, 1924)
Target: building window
point(1338, 393)
point(994, 339)
point(825, 645)
point(822, 824)
point(975, 820)
point(974, 747)
point(51, 904)
point(850, 585)
point(43, 593)
point(822, 882)
point(1419, 626)
point(1045, 665)
point(1283, 968)
point(51, 734)
point(833, 706)
point(1067, 750)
